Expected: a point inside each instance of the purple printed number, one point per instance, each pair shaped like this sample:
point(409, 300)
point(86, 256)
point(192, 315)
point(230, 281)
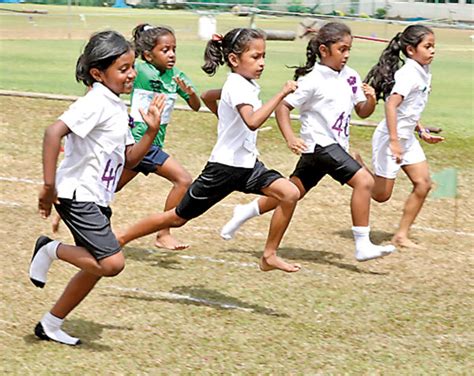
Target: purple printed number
point(109, 175)
point(338, 125)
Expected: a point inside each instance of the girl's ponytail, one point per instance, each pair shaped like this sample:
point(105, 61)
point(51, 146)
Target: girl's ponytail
point(312, 51)
point(213, 55)
point(382, 75)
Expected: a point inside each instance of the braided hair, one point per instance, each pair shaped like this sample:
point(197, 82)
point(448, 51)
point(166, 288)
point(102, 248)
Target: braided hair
point(327, 35)
point(382, 75)
point(219, 47)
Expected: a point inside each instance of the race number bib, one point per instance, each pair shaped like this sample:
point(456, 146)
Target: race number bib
point(110, 175)
point(142, 99)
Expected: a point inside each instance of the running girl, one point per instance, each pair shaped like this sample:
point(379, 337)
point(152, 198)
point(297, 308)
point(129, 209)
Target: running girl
point(156, 73)
point(405, 87)
point(98, 146)
point(233, 164)
point(327, 92)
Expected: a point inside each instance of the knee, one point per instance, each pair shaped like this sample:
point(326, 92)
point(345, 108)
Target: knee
point(177, 221)
point(113, 269)
point(423, 187)
point(292, 194)
point(365, 181)
point(183, 181)
point(381, 196)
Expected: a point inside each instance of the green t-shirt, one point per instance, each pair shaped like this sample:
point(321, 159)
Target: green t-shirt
point(148, 82)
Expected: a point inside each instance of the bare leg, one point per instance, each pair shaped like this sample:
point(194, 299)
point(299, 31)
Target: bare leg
point(77, 289)
point(419, 175)
point(362, 184)
point(150, 225)
point(181, 180)
point(287, 194)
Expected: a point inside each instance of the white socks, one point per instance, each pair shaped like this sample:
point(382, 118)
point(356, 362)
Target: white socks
point(43, 256)
point(49, 328)
point(242, 213)
point(365, 249)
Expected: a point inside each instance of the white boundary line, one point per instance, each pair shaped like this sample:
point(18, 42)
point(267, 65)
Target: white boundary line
point(31, 181)
point(172, 296)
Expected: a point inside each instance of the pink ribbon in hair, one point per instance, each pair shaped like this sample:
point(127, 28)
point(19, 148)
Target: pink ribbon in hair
point(217, 37)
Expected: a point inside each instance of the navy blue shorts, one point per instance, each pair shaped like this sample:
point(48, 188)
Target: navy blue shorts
point(332, 160)
point(218, 181)
point(152, 160)
point(89, 224)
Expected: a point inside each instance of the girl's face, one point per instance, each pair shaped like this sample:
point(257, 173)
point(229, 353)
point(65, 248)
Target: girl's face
point(336, 56)
point(251, 62)
point(119, 76)
point(423, 53)
point(163, 55)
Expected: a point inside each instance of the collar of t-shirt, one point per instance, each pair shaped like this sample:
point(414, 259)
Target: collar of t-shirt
point(106, 92)
point(327, 71)
point(423, 70)
point(252, 83)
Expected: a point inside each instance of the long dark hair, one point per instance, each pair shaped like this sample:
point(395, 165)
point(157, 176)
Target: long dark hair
point(146, 36)
point(100, 52)
point(382, 75)
point(329, 34)
point(218, 48)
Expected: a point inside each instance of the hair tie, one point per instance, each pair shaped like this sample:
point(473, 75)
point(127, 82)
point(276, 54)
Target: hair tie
point(217, 37)
point(148, 27)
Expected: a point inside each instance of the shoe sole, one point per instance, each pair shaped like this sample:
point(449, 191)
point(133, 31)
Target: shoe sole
point(40, 243)
point(39, 332)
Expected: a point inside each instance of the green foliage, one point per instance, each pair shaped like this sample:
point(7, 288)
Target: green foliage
point(380, 13)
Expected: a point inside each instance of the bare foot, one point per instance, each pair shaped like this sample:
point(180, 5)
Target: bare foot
point(55, 221)
point(274, 262)
point(403, 242)
point(167, 241)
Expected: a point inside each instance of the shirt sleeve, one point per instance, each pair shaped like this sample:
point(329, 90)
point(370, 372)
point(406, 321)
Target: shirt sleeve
point(83, 116)
point(238, 92)
point(357, 92)
point(304, 92)
point(403, 84)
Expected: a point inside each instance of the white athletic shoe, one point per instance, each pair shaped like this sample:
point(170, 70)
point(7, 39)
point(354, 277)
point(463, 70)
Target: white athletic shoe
point(56, 335)
point(41, 260)
point(373, 251)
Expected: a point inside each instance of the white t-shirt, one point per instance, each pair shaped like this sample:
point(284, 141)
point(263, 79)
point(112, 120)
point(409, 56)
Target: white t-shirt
point(326, 99)
point(413, 83)
point(236, 144)
point(94, 151)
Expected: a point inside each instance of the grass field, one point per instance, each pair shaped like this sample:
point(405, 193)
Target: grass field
point(208, 310)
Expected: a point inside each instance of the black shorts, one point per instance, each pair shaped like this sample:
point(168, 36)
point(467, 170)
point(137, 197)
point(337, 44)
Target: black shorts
point(217, 181)
point(150, 162)
point(89, 224)
point(331, 159)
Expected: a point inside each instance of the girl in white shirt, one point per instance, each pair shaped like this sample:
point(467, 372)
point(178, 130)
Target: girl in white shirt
point(327, 92)
point(98, 147)
point(233, 164)
point(405, 90)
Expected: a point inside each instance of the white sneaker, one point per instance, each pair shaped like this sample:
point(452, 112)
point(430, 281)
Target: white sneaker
point(57, 335)
point(41, 260)
point(372, 251)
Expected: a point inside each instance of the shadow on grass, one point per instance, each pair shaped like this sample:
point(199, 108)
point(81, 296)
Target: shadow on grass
point(376, 236)
point(158, 258)
point(87, 331)
point(317, 257)
point(202, 297)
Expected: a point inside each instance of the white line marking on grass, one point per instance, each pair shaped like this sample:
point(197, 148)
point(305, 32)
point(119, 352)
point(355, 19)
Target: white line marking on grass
point(19, 180)
point(172, 296)
point(443, 231)
point(10, 203)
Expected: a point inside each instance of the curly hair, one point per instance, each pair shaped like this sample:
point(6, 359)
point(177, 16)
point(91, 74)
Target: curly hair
point(382, 75)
